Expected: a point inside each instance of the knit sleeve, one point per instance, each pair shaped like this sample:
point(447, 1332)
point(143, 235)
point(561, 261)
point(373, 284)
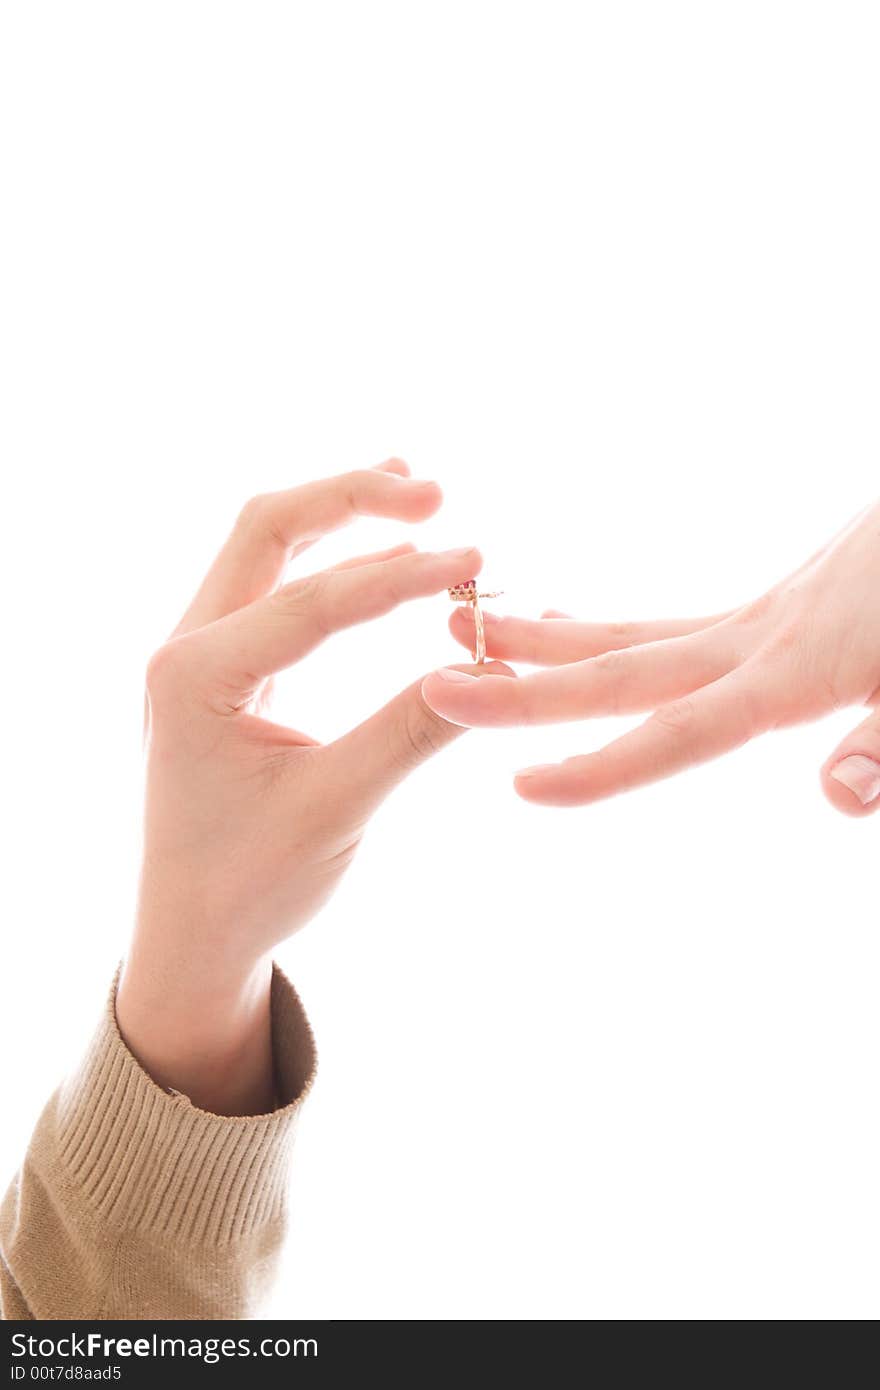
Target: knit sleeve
point(132, 1203)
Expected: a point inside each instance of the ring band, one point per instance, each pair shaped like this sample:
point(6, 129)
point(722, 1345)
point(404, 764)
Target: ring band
point(467, 593)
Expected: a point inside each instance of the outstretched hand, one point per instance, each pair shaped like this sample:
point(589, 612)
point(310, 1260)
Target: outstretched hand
point(808, 646)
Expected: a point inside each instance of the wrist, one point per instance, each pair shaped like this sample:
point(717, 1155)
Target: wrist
point(199, 1021)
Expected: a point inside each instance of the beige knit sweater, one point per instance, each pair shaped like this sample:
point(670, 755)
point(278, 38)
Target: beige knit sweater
point(132, 1203)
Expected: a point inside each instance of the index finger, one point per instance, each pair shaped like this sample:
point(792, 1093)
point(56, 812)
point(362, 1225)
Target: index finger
point(228, 660)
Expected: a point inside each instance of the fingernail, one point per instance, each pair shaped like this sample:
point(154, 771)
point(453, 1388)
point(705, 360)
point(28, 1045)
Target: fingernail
point(537, 770)
point(454, 677)
point(861, 775)
point(460, 552)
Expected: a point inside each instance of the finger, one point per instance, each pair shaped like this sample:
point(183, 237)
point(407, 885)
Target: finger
point(714, 720)
point(543, 643)
point(617, 682)
point(387, 747)
point(272, 528)
point(555, 613)
point(263, 698)
point(395, 466)
point(851, 776)
point(229, 659)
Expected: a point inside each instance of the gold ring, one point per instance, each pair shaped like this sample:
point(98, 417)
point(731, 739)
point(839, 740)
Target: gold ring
point(467, 593)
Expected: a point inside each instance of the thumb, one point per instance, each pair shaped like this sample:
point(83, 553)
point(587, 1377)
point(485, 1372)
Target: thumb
point(374, 757)
point(851, 776)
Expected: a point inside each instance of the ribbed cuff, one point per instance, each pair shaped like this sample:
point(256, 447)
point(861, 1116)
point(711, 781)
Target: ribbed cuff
point(147, 1160)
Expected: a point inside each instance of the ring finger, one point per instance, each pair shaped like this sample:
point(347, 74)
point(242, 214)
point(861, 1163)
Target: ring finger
point(616, 682)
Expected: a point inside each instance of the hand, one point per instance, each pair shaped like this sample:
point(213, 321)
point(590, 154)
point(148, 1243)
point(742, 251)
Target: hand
point(809, 646)
point(248, 825)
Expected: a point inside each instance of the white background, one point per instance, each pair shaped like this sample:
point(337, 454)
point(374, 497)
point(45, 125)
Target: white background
point(610, 273)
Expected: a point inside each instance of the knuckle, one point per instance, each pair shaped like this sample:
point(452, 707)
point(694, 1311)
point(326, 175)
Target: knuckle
point(614, 667)
point(362, 477)
point(257, 518)
point(253, 514)
point(419, 736)
point(610, 663)
point(795, 666)
point(622, 635)
point(676, 718)
point(784, 644)
point(384, 589)
point(307, 592)
point(355, 486)
point(757, 611)
point(167, 668)
point(304, 598)
point(390, 588)
point(516, 702)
